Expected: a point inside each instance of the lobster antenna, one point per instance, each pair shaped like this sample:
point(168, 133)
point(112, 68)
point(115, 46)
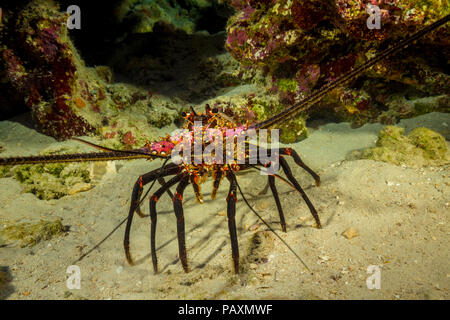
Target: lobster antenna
point(267, 225)
point(316, 96)
point(108, 155)
point(101, 242)
point(137, 152)
point(92, 144)
point(73, 157)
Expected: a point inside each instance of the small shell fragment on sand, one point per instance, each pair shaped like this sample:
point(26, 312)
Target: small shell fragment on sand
point(350, 233)
point(262, 205)
point(79, 187)
point(254, 227)
point(98, 169)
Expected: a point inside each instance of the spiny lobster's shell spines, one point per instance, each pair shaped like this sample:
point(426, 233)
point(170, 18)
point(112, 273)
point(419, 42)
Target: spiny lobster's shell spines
point(200, 128)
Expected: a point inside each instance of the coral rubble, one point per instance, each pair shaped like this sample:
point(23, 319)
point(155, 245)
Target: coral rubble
point(421, 147)
point(53, 181)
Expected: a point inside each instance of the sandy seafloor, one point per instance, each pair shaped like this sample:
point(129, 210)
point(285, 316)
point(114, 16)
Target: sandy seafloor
point(401, 214)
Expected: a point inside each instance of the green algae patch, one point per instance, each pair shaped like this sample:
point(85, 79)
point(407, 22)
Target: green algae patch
point(5, 171)
point(252, 106)
point(422, 147)
point(287, 85)
point(55, 180)
point(291, 131)
point(432, 143)
point(28, 234)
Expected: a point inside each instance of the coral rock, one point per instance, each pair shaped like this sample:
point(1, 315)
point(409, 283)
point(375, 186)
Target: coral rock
point(422, 147)
point(302, 45)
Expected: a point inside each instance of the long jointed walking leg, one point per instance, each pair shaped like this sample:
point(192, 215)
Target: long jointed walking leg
point(161, 182)
point(138, 209)
point(273, 188)
point(178, 208)
point(198, 195)
point(291, 152)
point(217, 178)
point(233, 176)
point(294, 181)
point(231, 214)
point(153, 200)
point(135, 201)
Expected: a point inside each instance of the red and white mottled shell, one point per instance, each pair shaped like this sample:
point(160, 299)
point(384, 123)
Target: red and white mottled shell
point(162, 147)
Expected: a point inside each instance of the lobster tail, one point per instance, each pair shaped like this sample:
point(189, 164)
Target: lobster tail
point(316, 96)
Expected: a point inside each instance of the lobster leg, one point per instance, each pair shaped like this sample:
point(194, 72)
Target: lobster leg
point(196, 187)
point(135, 199)
point(141, 189)
point(153, 215)
point(178, 208)
point(291, 152)
point(277, 201)
point(138, 209)
point(231, 213)
point(287, 171)
point(163, 182)
point(216, 183)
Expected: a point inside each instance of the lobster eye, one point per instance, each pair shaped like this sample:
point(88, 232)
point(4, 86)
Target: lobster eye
point(184, 114)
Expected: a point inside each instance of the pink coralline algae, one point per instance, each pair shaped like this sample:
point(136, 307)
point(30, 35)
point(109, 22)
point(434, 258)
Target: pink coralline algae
point(308, 13)
point(304, 44)
point(128, 139)
point(307, 77)
point(268, 32)
point(40, 66)
point(162, 147)
point(48, 44)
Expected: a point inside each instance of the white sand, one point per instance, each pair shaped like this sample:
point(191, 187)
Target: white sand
point(401, 215)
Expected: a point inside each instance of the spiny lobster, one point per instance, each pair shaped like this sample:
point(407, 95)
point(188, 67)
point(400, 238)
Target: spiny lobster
point(187, 173)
